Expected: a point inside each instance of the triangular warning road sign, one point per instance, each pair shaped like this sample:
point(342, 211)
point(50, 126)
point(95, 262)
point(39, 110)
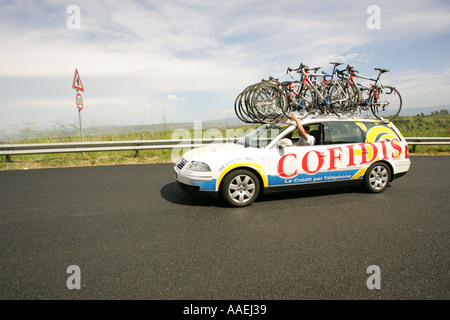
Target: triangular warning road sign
point(77, 81)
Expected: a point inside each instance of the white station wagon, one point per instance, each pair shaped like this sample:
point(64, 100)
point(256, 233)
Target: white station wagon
point(346, 151)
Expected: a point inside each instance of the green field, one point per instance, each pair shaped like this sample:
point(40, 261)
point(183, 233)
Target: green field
point(417, 126)
point(104, 158)
point(426, 126)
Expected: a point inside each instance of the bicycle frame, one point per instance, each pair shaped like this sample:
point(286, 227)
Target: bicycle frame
point(324, 101)
point(373, 90)
point(308, 83)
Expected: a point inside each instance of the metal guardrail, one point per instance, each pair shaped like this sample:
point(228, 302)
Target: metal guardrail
point(415, 141)
point(9, 150)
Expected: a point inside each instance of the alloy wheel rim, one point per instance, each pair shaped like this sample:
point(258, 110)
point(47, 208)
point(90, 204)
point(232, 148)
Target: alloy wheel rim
point(378, 177)
point(242, 188)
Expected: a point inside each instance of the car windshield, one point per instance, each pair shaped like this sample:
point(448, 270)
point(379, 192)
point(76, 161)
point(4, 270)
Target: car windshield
point(262, 136)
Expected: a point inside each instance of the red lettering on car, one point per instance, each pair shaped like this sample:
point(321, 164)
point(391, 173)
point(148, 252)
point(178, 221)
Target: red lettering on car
point(305, 161)
point(384, 148)
point(351, 156)
point(333, 157)
point(395, 145)
point(365, 152)
point(281, 163)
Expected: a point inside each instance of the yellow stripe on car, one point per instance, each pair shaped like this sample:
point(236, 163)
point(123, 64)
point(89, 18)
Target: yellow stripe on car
point(244, 164)
point(359, 173)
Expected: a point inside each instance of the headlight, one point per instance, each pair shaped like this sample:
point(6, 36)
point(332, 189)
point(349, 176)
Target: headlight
point(198, 166)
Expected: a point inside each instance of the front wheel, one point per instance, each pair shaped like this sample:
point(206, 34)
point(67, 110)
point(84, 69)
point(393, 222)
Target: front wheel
point(240, 188)
point(377, 177)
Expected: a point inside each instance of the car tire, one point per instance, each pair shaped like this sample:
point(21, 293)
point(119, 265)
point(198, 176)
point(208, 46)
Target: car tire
point(377, 177)
point(240, 188)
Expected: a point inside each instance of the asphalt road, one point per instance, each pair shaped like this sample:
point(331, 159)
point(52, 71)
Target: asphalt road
point(135, 235)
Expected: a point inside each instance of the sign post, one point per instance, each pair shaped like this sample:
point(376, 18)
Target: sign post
point(77, 85)
point(79, 100)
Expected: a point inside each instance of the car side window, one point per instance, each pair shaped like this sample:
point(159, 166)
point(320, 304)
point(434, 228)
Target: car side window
point(344, 132)
point(315, 130)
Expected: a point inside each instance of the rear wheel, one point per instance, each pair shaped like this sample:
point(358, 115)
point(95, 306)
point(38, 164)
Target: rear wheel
point(240, 188)
point(377, 177)
point(386, 103)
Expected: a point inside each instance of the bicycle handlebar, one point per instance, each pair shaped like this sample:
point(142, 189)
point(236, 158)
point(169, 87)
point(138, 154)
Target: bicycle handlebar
point(350, 69)
point(341, 74)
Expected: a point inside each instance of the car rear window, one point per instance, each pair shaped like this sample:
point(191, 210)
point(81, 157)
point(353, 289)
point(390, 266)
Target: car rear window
point(370, 125)
point(344, 132)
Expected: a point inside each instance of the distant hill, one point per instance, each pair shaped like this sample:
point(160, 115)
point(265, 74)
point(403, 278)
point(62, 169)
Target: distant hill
point(230, 122)
point(425, 110)
point(73, 130)
point(220, 123)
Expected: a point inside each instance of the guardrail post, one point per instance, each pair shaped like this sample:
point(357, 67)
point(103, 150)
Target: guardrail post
point(8, 158)
point(414, 146)
point(137, 154)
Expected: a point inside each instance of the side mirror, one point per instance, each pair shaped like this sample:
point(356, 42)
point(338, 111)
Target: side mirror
point(285, 142)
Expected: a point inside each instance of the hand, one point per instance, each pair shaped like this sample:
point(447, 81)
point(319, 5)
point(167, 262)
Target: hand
point(293, 117)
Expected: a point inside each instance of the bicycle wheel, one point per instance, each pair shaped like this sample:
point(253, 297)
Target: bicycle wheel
point(324, 106)
point(306, 102)
point(248, 102)
point(361, 97)
point(386, 103)
point(269, 103)
point(338, 100)
point(300, 103)
point(352, 105)
point(240, 107)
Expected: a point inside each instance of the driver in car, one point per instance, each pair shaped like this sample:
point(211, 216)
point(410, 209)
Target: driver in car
point(305, 138)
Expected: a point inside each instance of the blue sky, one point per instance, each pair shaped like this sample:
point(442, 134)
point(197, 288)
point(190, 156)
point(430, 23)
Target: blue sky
point(144, 62)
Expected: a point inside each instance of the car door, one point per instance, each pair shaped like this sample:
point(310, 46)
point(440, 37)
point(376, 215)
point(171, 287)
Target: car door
point(333, 159)
point(345, 141)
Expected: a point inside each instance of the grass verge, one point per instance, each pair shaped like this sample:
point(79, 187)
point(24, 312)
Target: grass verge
point(417, 126)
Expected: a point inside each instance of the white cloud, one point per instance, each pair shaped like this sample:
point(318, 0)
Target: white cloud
point(415, 19)
point(137, 53)
point(172, 97)
point(419, 88)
